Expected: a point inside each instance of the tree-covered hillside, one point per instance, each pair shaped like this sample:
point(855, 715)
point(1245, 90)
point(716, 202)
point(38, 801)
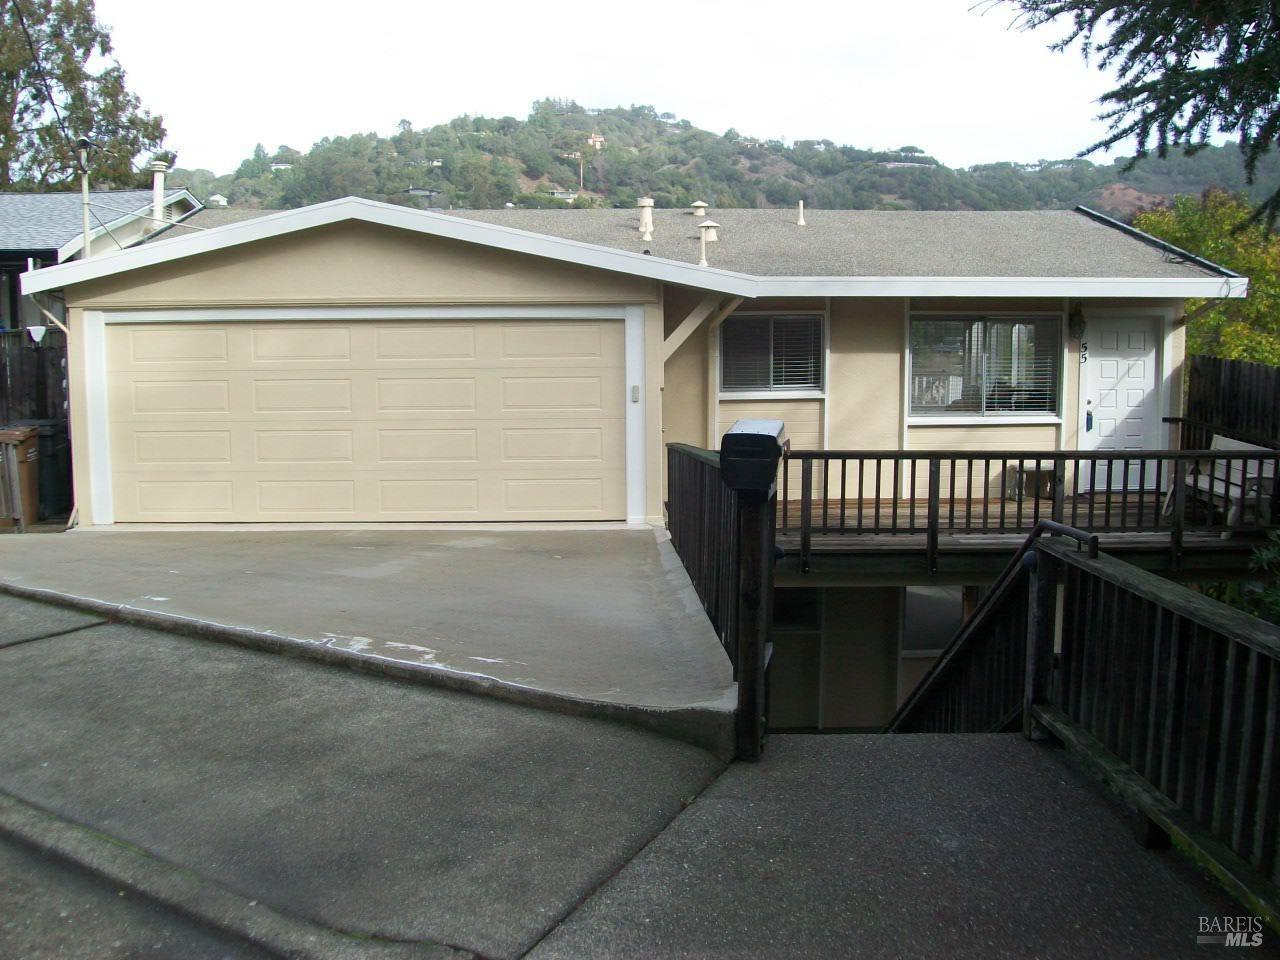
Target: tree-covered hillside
point(629, 152)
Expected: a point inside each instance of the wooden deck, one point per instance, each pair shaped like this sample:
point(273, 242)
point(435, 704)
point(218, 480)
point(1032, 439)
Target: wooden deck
point(1133, 521)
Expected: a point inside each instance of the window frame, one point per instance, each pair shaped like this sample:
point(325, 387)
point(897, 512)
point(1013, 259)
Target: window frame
point(994, 417)
point(775, 393)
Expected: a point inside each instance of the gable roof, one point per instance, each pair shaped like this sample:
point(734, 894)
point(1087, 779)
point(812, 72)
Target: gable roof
point(763, 253)
point(34, 222)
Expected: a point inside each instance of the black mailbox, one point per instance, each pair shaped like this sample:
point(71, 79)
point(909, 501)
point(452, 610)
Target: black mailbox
point(749, 455)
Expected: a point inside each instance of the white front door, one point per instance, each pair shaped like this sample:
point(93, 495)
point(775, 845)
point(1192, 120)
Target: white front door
point(1121, 406)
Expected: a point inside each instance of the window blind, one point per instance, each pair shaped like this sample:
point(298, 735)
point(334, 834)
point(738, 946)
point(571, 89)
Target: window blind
point(771, 353)
point(746, 353)
point(987, 366)
point(797, 353)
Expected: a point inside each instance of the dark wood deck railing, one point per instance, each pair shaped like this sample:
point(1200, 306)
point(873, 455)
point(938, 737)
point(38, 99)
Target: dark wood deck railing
point(701, 514)
point(850, 500)
point(1170, 697)
point(977, 683)
point(725, 539)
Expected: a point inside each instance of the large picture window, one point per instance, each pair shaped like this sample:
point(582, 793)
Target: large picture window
point(771, 353)
point(985, 366)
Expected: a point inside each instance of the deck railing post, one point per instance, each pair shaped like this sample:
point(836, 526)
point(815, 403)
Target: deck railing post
point(756, 518)
point(806, 511)
point(1179, 510)
point(1042, 616)
point(1059, 489)
point(931, 529)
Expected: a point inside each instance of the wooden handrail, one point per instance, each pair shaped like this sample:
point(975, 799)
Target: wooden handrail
point(1169, 696)
point(1007, 581)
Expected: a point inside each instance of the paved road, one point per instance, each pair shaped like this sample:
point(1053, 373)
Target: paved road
point(364, 804)
point(50, 910)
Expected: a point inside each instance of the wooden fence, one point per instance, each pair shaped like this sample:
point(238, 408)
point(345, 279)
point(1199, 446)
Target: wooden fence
point(33, 376)
point(1234, 398)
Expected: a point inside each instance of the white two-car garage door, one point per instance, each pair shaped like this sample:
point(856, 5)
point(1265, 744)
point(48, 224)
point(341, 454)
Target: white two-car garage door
point(368, 420)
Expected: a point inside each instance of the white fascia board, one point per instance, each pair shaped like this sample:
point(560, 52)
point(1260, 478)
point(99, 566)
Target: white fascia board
point(617, 261)
point(1139, 287)
point(386, 214)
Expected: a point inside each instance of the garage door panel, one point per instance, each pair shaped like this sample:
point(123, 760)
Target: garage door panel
point(307, 343)
point(304, 446)
point(423, 444)
point(442, 394)
point(148, 347)
point(447, 343)
point(491, 420)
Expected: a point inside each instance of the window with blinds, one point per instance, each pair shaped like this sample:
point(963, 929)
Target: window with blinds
point(987, 366)
point(771, 353)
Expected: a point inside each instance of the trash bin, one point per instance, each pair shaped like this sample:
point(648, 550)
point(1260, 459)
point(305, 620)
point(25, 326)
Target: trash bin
point(20, 449)
point(55, 466)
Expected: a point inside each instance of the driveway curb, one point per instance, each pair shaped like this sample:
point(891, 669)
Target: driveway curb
point(709, 728)
point(196, 898)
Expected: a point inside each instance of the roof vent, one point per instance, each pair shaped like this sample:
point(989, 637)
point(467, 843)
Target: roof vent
point(646, 217)
point(707, 234)
point(699, 208)
point(800, 217)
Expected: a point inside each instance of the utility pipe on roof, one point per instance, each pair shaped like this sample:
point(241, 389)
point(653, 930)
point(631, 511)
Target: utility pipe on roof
point(158, 169)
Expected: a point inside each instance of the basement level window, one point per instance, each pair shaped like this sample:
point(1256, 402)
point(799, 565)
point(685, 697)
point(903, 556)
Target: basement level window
point(782, 352)
point(985, 366)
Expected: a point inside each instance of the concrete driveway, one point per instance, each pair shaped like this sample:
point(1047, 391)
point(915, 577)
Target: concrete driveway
point(602, 618)
point(394, 813)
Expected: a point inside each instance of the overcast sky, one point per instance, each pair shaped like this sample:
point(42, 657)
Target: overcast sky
point(962, 84)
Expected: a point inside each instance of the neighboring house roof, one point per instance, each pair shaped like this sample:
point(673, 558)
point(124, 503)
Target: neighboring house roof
point(763, 253)
point(31, 222)
point(206, 218)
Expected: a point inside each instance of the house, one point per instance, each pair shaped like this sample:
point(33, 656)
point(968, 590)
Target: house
point(357, 361)
point(48, 228)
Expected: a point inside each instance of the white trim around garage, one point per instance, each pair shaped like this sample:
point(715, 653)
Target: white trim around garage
point(95, 323)
point(618, 261)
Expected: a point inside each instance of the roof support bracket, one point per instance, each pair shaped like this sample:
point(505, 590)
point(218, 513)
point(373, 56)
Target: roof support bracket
point(711, 306)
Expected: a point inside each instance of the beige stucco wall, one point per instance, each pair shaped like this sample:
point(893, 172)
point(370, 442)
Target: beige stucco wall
point(355, 265)
point(863, 405)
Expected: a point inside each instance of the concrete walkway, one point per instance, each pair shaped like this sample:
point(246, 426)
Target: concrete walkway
point(360, 804)
point(901, 848)
point(595, 616)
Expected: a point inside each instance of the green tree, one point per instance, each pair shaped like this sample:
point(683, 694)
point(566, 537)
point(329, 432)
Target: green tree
point(55, 61)
point(1218, 226)
point(1187, 69)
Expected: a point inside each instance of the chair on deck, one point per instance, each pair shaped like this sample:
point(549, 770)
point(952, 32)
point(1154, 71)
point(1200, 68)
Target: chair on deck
point(1229, 485)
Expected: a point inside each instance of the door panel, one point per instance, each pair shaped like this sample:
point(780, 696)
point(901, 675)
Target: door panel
point(1122, 397)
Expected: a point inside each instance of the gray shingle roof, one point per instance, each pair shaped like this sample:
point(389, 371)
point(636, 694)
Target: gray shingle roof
point(847, 243)
point(871, 243)
point(45, 221)
point(207, 218)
